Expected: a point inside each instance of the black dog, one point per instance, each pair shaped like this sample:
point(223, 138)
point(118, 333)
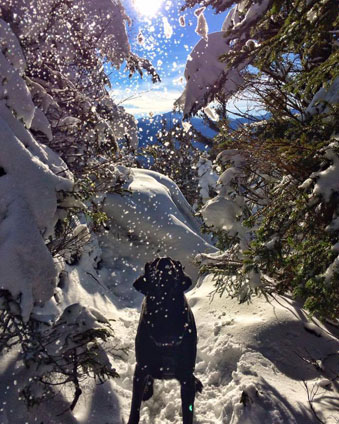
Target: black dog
point(166, 340)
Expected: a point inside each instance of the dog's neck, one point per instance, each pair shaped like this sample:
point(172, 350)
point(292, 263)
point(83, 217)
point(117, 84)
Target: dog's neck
point(174, 305)
point(166, 318)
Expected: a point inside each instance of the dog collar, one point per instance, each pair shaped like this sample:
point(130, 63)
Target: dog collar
point(168, 343)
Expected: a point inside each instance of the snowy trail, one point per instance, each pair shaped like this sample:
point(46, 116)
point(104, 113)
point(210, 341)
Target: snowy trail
point(249, 355)
point(248, 362)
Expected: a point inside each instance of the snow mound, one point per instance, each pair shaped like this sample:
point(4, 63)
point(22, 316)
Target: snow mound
point(151, 219)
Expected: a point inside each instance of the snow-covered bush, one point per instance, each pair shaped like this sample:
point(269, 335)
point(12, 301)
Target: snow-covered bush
point(207, 178)
point(58, 354)
point(278, 212)
point(291, 47)
point(225, 215)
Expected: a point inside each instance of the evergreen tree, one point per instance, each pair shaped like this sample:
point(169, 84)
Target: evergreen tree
point(285, 185)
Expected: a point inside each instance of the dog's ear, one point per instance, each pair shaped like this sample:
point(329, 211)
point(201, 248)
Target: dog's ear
point(185, 282)
point(142, 285)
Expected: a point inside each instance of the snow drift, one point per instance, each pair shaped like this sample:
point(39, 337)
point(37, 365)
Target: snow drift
point(151, 219)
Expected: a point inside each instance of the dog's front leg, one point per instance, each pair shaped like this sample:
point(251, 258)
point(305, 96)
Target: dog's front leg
point(139, 383)
point(187, 399)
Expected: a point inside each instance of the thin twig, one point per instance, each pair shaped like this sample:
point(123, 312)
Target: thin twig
point(310, 397)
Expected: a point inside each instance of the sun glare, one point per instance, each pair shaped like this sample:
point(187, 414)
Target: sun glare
point(147, 7)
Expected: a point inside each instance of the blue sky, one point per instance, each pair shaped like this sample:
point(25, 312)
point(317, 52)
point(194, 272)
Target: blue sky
point(140, 96)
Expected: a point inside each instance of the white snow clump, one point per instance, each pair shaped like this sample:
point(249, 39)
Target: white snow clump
point(204, 70)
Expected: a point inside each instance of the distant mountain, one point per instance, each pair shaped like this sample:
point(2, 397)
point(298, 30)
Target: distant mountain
point(149, 127)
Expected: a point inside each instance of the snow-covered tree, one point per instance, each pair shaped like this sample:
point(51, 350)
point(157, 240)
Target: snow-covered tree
point(292, 47)
point(284, 56)
point(67, 46)
point(58, 128)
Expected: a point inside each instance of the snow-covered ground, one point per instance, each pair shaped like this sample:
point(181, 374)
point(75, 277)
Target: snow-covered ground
point(249, 360)
point(259, 362)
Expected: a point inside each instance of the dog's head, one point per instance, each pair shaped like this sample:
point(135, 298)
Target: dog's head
point(163, 275)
